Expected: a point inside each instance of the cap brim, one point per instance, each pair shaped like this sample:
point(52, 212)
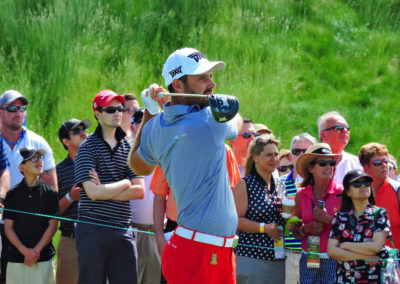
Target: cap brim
point(207, 66)
point(367, 177)
point(86, 123)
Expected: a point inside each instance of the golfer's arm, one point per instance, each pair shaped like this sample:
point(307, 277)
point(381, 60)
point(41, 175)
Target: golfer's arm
point(135, 162)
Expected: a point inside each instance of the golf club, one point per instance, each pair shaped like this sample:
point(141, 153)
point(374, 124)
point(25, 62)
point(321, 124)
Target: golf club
point(223, 107)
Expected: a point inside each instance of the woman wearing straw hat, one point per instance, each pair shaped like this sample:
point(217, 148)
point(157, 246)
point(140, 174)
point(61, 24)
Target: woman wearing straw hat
point(359, 231)
point(316, 203)
point(258, 198)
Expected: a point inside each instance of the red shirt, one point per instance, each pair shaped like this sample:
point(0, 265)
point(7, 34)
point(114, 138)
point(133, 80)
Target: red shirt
point(387, 198)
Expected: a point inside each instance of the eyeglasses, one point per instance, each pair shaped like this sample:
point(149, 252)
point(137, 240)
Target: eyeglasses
point(15, 108)
point(247, 135)
point(379, 162)
point(78, 130)
point(338, 127)
point(359, 183)
point(323, 163)
point(37, 158)
point(298, 151)
point(130, 110)
point(111, 109)
point(285, 168)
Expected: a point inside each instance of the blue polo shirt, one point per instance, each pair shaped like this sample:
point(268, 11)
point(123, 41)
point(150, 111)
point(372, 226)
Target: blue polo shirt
point(188, 144)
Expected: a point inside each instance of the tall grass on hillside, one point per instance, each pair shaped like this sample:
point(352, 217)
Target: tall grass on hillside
point(287, 61)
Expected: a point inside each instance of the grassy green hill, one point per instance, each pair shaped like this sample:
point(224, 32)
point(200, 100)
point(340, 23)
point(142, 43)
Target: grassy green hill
point(287, 61)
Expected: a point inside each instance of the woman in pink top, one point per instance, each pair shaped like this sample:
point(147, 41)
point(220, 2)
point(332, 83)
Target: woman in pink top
point(316, 203)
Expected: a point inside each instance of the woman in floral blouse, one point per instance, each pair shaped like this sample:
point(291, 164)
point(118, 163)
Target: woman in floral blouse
point(359, 231)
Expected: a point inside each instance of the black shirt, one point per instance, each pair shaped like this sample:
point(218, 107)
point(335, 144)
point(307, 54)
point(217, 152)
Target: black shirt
point(111, 166)
point(66, 179)
point(38, 199)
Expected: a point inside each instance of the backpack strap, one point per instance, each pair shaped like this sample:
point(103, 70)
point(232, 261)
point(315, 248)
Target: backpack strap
point(376, 217)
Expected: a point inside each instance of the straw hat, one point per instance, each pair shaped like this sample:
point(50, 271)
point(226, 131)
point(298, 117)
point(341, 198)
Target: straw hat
point(314, 151)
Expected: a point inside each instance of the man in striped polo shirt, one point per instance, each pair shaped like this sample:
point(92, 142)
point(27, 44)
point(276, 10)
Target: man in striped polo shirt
point(104, 241)
point(299, 145)
point(71, 134)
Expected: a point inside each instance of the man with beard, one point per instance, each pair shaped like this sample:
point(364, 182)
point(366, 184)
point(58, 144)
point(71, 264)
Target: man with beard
point(188, 144)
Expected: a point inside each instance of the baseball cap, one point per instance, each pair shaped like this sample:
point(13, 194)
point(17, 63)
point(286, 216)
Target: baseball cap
point(260, 126)
point(28, 152)
point(104, 97)
point(188, 61)
point(70, 124)
point(10, 96)
point(355, 175)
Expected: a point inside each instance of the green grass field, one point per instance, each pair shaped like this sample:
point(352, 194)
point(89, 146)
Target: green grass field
point(287, 61)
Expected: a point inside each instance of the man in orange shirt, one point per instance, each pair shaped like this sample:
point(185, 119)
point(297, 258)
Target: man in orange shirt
point(375, 161)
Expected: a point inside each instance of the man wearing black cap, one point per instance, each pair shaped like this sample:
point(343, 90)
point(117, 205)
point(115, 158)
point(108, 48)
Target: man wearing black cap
point(71, 134)
point(31, 252)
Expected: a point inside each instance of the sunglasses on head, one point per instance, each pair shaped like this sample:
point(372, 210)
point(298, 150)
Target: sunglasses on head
point(338, 127)
point(78, 130)
point(37, 158)
point(298, 151)
point(379, 162)
point(323, 163)
point(247, 135)
point(15, 108)
point(285, 168)
point(359, 183)
point(111, 109)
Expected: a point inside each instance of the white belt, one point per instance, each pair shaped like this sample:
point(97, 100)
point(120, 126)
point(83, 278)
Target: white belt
point(206, 238)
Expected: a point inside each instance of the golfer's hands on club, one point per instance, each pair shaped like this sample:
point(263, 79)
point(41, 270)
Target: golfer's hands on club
point(153, 103)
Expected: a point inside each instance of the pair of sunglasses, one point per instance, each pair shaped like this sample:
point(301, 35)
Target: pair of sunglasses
point(78, 130)
point(298, 151)
point(285, 168)
point(338, 127)
point(323, 163)
point(379, 162)
point(247, 135)
point(15, 108)
point(111, 109)
point(359, 183)
point(37, 158)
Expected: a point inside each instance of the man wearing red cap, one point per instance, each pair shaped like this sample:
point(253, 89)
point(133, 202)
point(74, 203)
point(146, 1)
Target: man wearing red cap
point(104, 241)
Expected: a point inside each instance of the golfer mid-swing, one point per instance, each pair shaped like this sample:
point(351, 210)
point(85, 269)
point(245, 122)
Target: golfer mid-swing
point(188, 144)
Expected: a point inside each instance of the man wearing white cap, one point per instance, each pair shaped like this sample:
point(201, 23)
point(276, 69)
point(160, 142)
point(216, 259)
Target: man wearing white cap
point(188, 144)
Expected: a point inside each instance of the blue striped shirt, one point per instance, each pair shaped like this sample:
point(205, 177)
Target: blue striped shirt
point(291, 189)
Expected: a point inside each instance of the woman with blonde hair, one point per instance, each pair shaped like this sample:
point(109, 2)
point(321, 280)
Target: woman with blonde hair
point(258, 198)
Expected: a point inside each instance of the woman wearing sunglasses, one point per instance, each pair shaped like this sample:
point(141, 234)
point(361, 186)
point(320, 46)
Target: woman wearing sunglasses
point(316, 203)
point(258, 199)
point(285, 165)
point(359, 231)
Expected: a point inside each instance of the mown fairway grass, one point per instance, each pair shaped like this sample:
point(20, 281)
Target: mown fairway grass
point(287, 61)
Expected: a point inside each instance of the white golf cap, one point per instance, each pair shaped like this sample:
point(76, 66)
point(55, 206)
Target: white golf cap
point(188, 61)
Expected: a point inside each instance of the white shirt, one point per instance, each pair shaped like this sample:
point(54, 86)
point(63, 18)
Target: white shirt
point(142, 209)
point(28, 138)
point(349, 162)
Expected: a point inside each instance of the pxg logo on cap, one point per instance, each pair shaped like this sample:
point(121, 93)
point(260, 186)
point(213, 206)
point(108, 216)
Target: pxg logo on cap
point(188, 61)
